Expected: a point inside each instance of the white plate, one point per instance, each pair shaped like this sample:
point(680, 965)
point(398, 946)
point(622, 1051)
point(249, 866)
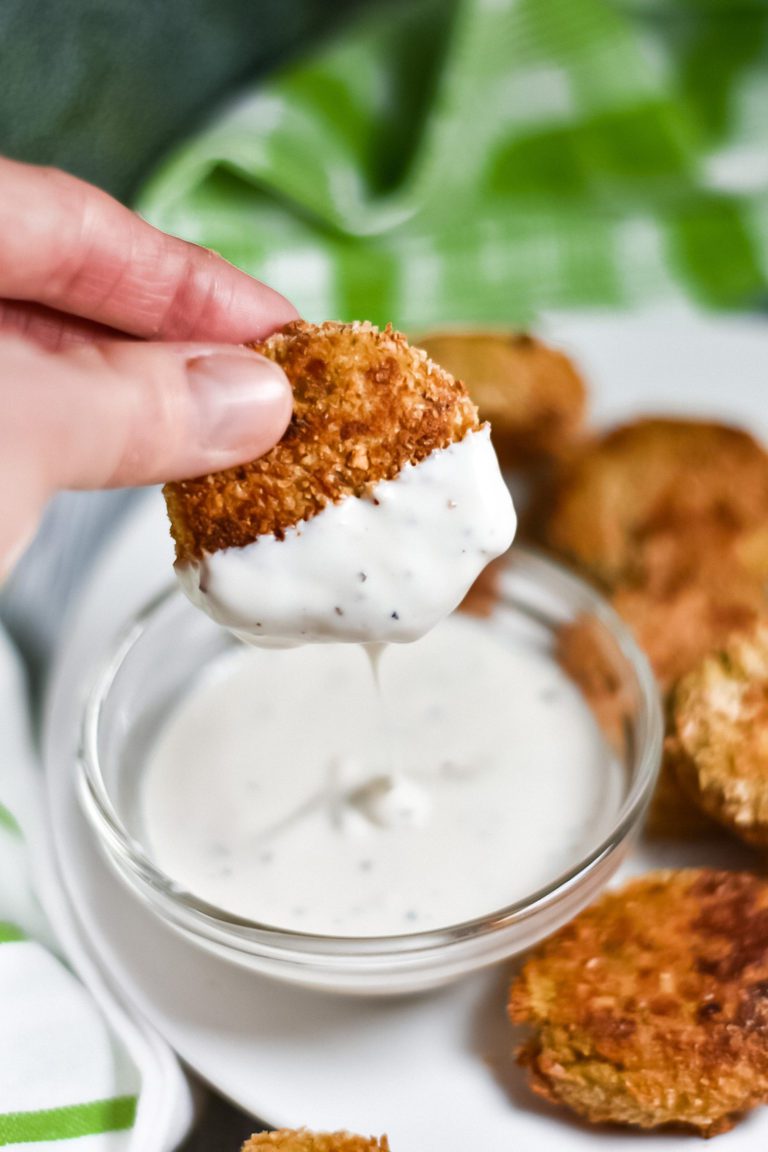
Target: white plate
point(435, 1071)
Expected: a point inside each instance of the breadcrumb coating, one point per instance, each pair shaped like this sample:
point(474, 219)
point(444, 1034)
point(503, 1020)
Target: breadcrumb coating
point(650, 502)
point(677, 628)
point(651, 1008)
point(720, 734)
point(670, 517)
point(672, 814)
point(300, 1140)
point(531, 393)
point(365, 404)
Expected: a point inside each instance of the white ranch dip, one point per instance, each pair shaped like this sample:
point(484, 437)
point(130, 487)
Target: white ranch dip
point(270, 790)
point(380, 569)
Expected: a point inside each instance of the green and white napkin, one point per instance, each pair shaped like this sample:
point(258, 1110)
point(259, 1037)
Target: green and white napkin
point(453, 161)
point(77, 1068)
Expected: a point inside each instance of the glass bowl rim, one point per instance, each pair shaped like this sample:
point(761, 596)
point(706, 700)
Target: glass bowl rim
point(211, 922)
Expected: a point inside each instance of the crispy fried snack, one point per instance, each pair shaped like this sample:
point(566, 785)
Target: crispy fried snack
point(720, 734)
point(657, 501)
point(531, 393)
point(300, 1140)
point(672, 814)
point(677, 628)
point(365, 404)
point(651, 1008)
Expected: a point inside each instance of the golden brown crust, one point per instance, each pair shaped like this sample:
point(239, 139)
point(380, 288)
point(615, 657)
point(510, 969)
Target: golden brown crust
point(676, 629)
point(669, 517)
point(651, 501)
point(651, 1008)
point(672, 814)
point(365, 404)
point(300, 1140)
point(720, 734)
point(532, 394)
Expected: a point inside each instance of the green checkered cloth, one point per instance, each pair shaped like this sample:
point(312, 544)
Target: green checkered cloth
point(456, 161)
point(66, 1076)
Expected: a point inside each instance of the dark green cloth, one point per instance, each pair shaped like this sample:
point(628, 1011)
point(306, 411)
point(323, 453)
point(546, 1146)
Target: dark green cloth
point(103, 88)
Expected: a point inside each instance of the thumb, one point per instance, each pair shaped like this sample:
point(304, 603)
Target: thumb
point(116, 414)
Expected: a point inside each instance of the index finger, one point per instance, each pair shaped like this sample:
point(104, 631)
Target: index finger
point(70, 246)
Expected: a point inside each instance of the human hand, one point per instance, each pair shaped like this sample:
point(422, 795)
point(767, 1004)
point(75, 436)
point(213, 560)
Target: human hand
point(119, 357)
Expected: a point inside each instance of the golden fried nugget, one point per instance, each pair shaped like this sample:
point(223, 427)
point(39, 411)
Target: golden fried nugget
point(653, 501)
point(365, 404)
point(300, 1140)
point(532, 394)
point(676, 629)
point(672, 814)
point(651, 1008)
point(720, 734)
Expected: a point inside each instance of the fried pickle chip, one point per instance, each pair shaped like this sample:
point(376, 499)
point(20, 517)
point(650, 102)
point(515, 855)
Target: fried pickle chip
point(651, 1008)
point(720, 734)
point(652, 502)
point(672, 814)
point(365, 405)
point(532, 394)
point(300, 1140)
point(677, 628)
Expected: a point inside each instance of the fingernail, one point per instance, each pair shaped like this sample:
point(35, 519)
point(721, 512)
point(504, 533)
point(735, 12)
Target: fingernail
point(243, 401)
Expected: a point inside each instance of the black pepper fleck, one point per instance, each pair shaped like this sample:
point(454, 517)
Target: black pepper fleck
point(395, 616)
point(362, 577)
point(339, 611)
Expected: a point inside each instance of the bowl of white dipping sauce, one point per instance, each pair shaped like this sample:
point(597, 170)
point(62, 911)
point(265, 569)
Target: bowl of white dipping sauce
point(376, 825)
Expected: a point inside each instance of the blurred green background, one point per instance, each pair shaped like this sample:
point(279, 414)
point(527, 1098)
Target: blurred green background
point(427, 161)
point(103, 88)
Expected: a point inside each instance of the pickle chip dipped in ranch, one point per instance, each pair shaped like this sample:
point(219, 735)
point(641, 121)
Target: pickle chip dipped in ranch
point(370, 519)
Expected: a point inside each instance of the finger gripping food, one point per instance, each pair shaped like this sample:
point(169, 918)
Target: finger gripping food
point(720, 734)
point(301, 1140)
point(651, 1008)
point(371, 517)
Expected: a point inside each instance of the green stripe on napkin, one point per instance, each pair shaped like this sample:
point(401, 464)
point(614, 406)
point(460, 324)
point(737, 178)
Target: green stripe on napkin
point(10, 934)
point(67, 1123)
point(8, 821)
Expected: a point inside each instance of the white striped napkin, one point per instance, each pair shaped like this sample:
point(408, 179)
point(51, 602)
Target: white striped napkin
point(75, 1068)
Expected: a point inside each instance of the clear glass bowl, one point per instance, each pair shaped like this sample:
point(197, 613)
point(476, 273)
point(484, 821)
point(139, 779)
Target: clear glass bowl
point(167, 648)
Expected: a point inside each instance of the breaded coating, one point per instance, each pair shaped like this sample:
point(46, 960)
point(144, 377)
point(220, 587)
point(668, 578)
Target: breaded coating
point(720, 734)
point(651, 502)
point(672, 814)
point(532, 394)
point(676, 629)
point(651, 1008)
point(365, 404)
point(300, 1140)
